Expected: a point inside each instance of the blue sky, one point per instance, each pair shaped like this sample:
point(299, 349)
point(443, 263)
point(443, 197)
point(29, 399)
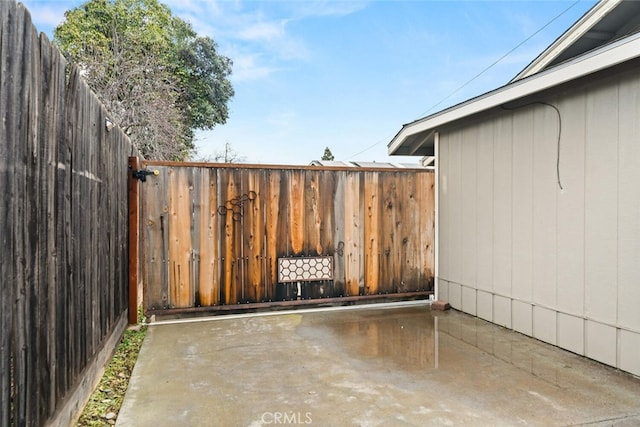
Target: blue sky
point(348, 74)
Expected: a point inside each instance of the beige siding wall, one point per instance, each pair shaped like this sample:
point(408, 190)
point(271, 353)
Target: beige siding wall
point(561, 265)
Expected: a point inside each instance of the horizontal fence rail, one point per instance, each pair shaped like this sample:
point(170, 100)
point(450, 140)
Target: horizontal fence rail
point(214, 235)
point(63, 223)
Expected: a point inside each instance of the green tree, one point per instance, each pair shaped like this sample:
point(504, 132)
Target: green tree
point(327, 154)
point(159, 80)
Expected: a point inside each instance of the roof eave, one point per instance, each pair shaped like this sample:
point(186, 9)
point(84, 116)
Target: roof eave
point(606, 57)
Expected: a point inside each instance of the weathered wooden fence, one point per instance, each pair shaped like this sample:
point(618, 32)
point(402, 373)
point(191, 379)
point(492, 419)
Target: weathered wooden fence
point(213, 234)
point(63, 229)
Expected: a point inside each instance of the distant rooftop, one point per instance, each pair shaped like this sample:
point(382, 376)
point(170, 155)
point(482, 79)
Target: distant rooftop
point(426, 162)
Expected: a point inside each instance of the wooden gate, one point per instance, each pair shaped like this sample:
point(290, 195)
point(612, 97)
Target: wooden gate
point(216, 236)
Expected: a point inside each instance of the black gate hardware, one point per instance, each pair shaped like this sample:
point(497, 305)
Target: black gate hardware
point(142, 174)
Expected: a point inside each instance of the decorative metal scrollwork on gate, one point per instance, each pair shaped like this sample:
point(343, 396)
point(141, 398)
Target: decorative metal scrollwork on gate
point(236, 205)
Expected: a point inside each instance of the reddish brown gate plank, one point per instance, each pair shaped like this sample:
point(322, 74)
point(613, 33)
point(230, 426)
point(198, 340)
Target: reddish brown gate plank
point(134, 239)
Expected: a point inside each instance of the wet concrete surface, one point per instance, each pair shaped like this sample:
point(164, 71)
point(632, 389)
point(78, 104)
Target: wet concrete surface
point(374, 366)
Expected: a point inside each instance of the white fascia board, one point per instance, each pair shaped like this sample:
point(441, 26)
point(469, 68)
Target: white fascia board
point(591, 18)
point(606, 57)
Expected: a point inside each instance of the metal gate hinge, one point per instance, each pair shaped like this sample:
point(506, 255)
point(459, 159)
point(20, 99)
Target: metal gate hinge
point(142, 174)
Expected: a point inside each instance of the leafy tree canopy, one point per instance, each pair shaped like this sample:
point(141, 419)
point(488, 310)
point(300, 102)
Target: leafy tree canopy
point(157, 77)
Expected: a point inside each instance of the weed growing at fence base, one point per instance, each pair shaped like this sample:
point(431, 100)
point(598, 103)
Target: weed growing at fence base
point(104, 404)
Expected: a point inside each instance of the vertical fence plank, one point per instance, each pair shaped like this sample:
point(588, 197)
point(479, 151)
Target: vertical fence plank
point(312, 244)
point(411, 255)
point(425, 185)
point(215, 216)
point(296, 212)
point(23, 215)
point(227, 195)
point(206, 276)
point(180, 267)
point(387, 236)
point(273, 218)
point(154, 197)
point(238, 224)
point(339, 259)
point(372, 232)
point(6, 268)
point(195, 201)
point(352, 226)
point(9, 60)
point(254, 240)
point(52, 74)
point(7, 116)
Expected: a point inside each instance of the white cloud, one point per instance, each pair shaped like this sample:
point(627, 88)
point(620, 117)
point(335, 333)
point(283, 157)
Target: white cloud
point(49, 15)
point(249, 67)
point(255, 37)
point(264, 31)
point(306, 9)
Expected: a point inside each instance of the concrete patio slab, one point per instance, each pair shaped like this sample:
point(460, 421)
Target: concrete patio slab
point(369, 366)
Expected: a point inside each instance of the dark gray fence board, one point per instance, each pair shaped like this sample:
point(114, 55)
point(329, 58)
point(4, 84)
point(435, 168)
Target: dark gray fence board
point(63, 225)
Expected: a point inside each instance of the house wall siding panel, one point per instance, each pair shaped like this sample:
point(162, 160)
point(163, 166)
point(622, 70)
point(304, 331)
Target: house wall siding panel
point(557, 261)
point(455, 296)
point(545, 187)
point(484, 212)
point(544, 324)
point(502, 213)
point(455, 208)
point(485, 306)
point(601, 204)
point(628, 352)
point(571, 333)
point(502, 311)
point(522, 205)
point(629, 208)
point(570, 292)
point(601, 342)
point(522, 317)
point(469, 300)
point(469, 212)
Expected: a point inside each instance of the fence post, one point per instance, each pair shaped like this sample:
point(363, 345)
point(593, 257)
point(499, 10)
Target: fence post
point(133, 187)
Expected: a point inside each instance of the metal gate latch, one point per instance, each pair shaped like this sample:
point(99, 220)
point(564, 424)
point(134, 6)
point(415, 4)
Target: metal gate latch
point(142, 174)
